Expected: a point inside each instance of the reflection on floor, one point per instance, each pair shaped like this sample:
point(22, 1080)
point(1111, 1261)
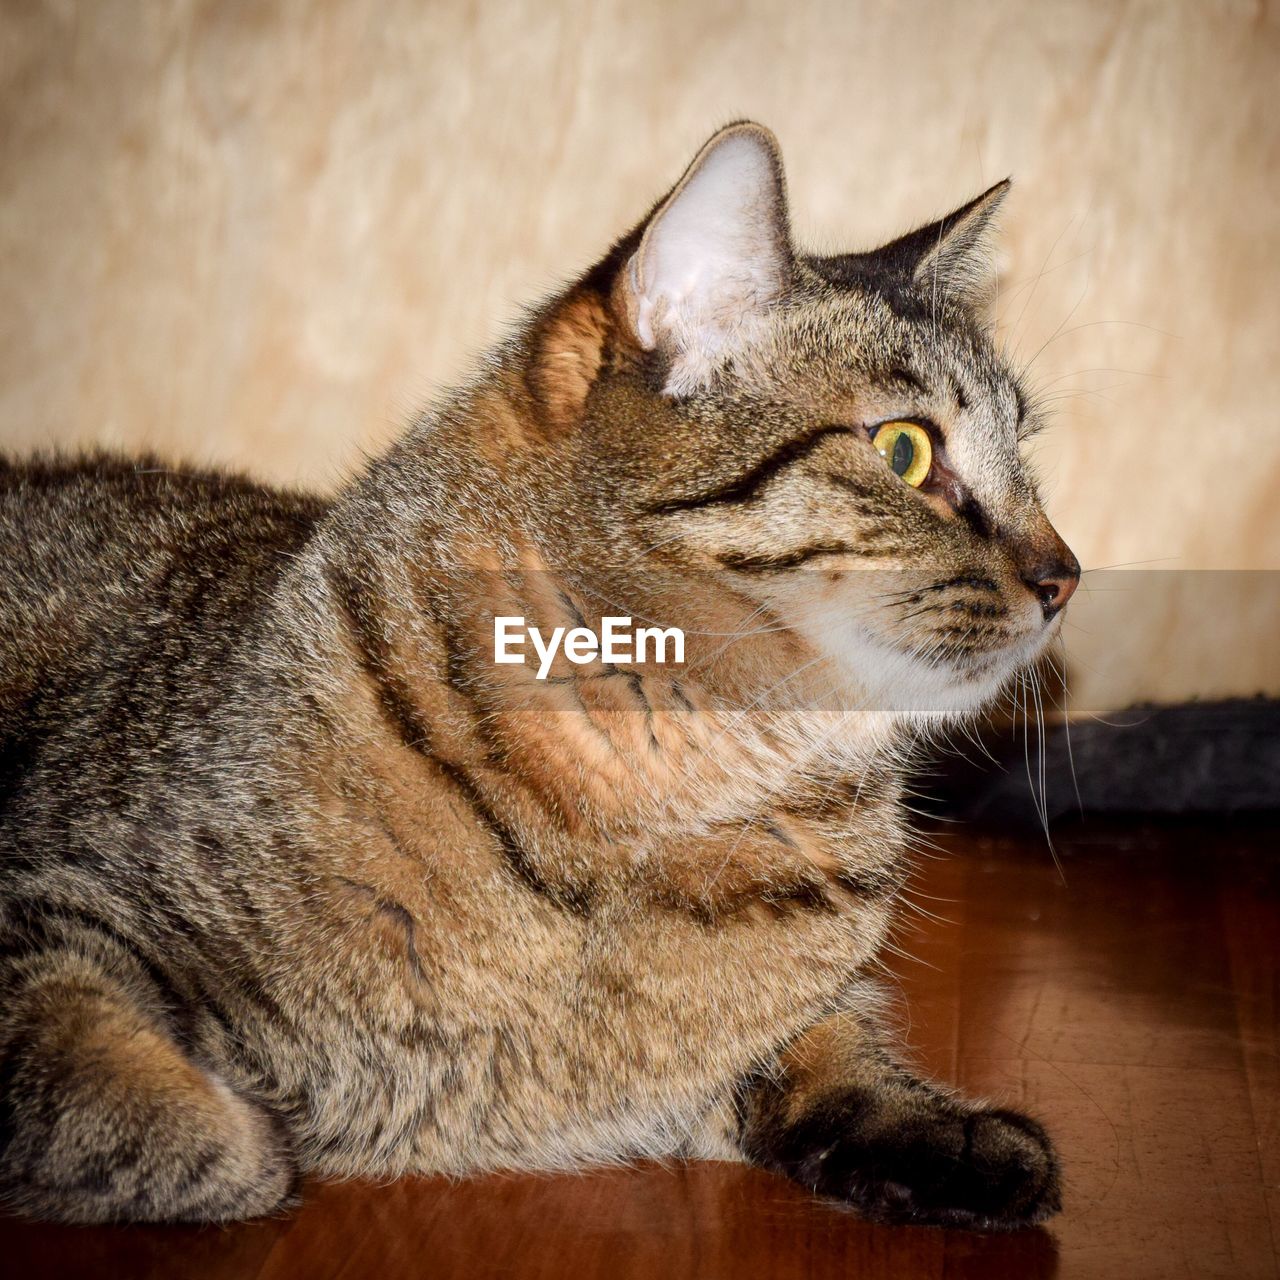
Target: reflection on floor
point(1132, 1007)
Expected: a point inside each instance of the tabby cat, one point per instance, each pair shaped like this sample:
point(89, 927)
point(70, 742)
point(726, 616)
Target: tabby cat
point(298, 880)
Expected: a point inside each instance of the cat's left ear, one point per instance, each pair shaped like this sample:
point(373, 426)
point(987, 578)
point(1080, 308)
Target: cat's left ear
point(952, 257)
point(712, 258)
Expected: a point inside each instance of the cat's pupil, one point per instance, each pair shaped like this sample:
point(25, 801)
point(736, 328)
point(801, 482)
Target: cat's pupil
point(903, 453)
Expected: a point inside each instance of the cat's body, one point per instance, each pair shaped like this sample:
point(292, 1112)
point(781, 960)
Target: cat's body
point(297, 878)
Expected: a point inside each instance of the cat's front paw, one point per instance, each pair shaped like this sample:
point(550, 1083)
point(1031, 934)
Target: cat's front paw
point(932, 1161)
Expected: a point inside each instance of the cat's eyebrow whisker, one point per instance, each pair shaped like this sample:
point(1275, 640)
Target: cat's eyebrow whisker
point(1103, 368)
point(1035, 284)
point(1045, 402)
point(1011, 294)
point(1133, 324)
point(1057, 333)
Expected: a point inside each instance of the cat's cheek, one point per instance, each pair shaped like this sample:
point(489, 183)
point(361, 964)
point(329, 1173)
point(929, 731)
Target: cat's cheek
point(880, 677)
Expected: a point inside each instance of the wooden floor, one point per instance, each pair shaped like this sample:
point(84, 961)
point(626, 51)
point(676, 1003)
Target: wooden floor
point(1133, 1008)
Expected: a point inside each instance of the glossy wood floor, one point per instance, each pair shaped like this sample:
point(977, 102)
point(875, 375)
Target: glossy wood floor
point(1132, 1007)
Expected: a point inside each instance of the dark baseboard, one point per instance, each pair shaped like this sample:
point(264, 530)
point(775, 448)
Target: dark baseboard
point(1191, 758)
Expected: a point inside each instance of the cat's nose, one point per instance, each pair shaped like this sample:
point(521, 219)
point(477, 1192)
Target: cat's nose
point(1053, 581)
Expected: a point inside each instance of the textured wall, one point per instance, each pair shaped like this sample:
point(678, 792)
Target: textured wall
point(263, 233)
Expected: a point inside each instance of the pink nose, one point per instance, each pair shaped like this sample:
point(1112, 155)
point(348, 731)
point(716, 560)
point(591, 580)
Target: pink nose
point(1053, 582)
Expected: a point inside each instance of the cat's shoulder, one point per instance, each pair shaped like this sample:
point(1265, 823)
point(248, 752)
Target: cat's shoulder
point(99, 533)
point(143, 483)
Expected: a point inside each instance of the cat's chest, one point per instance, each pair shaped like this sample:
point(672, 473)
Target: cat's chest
point(789, 900)
point(581, 1021)
point(675, 986)
point(704, 958)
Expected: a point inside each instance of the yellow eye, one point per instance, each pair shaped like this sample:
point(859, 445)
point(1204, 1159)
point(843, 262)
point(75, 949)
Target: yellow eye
point(907, 449)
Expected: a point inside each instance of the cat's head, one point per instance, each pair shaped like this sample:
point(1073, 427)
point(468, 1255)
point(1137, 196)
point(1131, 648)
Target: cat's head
point(833, 438)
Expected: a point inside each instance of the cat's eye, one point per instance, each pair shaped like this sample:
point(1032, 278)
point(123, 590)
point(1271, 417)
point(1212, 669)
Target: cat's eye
point(907, 449)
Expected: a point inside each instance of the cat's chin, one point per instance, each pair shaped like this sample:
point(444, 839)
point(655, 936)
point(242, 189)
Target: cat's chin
point(938, 693)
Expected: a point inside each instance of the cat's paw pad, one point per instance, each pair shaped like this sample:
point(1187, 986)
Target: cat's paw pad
point(942, 1165)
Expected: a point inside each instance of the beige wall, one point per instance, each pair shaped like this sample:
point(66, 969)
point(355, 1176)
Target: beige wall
point(263, 233)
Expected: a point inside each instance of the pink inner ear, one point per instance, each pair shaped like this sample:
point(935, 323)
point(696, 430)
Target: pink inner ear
point(715, 254)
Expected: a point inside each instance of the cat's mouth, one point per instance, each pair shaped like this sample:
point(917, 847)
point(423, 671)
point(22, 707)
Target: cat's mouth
point(939, 676)
point(1004, 661)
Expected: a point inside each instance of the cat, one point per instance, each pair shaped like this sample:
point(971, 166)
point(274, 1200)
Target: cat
point(299, 880)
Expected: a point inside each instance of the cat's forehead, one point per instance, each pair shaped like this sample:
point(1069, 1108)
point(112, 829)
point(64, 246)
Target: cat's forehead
point(869, 346)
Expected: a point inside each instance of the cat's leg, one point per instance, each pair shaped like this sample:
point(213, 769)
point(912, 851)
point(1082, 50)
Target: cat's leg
point(103, 1116)
point(839, 1116)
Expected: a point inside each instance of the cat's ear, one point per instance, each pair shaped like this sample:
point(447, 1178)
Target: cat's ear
point(952, 257)
point(713, 256)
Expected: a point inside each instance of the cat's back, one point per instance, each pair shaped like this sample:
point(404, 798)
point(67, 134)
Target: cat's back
point(95, 551)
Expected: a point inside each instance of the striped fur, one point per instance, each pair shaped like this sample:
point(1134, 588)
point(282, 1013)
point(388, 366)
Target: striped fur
point(296, 880)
